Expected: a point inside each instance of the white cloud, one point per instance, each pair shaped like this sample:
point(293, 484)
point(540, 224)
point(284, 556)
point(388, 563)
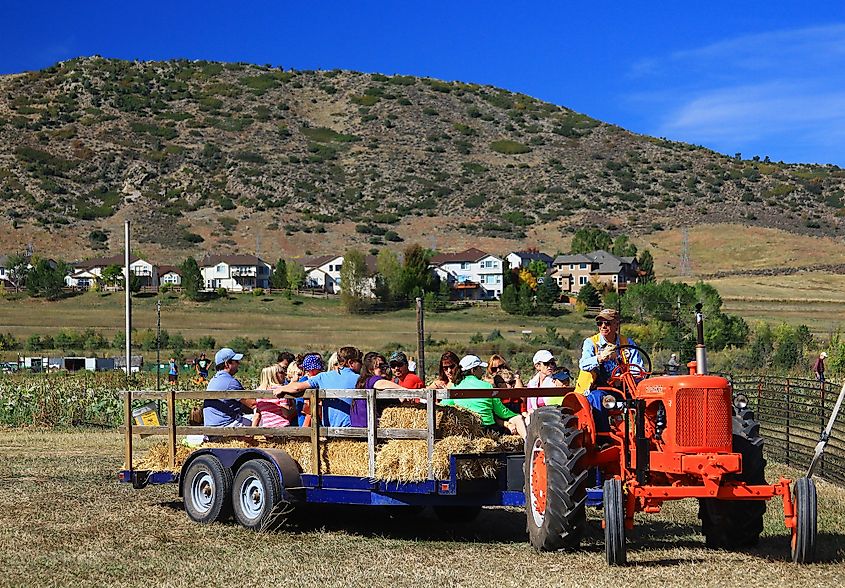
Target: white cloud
point(780, 92)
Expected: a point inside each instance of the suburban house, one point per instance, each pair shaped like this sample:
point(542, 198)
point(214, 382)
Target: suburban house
point(169, 274)
point(517, 259)
point(236, 272)
point(600, 267)
point(4, 272)
point(86, 273)
point(323, 272)
point(472, 274)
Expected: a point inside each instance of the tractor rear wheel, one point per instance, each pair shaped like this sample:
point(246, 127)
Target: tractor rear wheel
point(804, 532)
point(614, 523)
point(555, 480)
point(734, 524)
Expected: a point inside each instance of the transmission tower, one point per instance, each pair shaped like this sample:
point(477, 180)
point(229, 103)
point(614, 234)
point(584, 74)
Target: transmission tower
point(685, 268)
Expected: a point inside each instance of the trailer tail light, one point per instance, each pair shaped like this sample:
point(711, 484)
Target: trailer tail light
point(703, 418)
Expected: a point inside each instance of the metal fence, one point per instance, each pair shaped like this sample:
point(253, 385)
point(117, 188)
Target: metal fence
point(792, 413)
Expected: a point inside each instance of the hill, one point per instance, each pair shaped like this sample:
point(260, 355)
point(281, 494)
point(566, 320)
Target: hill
point(222, 157)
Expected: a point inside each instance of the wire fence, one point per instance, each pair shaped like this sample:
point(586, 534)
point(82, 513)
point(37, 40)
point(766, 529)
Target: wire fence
point(792, 413)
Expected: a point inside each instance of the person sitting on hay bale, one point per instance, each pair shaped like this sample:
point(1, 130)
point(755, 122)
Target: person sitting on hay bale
point(226, 412)
point(490, 410)
point(448, 371)
point(374, 375)
point(274, 412)
point(335, 410)
point(402, 373)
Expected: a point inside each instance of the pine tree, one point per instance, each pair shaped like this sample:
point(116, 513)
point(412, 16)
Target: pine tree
point(510, 299)
point(279, 279)
point(646, 263)
point(192, 283)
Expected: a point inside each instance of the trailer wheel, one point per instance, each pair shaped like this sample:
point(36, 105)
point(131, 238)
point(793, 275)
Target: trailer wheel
point(804, 532)
point(256, 494)
point(555, 480)
point(206, 487)
point(614, 523)
point(734, 524)
point(457, 514)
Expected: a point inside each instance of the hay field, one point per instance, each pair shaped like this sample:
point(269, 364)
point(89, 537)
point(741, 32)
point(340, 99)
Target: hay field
point(64, 520)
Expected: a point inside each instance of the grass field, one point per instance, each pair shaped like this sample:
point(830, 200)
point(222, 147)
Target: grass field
point(65, 521)
point(299, 324)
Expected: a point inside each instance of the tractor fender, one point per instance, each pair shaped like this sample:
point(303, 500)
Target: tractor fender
point(580, 407)
point(232, 458)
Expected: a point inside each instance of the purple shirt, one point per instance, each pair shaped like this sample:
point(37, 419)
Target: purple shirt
point(358, 414)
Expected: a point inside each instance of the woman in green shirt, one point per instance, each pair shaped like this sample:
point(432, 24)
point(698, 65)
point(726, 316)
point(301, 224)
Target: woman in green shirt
point(489, 409)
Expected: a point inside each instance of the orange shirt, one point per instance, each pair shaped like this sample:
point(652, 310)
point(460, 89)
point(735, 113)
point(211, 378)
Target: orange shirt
point(411, 381)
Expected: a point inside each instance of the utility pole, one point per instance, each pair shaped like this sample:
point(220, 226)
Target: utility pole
point(158, 346)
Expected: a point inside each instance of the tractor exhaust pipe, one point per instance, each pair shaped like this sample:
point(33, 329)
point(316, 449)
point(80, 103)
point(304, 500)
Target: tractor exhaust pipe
point(700, 349)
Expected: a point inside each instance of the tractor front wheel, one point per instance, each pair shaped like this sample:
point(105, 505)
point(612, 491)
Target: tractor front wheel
point(614, 523)
point(555, 480)
point(804, 532)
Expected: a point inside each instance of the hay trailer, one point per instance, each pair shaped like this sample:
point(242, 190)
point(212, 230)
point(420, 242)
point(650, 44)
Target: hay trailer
point(253, 483)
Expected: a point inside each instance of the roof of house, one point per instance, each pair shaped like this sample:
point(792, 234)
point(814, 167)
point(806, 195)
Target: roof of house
point(573, 258)
point(607, 262)
point(169, 269)
point(231, 259)
point(470, 255)
point(104, 261)
point(316, 260)
point(533, 256)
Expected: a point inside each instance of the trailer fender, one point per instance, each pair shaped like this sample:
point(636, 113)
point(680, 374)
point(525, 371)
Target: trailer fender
point(286, 467)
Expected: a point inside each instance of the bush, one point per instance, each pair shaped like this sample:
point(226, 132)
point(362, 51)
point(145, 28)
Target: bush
point(509, 147)
point(206, 342)
point(258, 292)
point(222, 292)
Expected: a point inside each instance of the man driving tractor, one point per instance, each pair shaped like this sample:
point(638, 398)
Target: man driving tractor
point(600, 356)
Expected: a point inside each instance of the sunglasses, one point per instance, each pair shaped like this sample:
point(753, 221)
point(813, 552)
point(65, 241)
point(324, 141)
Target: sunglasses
point(495, 368)
point(603, 322)
point(381, 366)
point(548, 363)
point(449, 366)
point(396, 364)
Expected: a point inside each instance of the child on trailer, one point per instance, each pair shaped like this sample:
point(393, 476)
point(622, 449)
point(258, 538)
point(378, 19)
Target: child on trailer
point(274, 412)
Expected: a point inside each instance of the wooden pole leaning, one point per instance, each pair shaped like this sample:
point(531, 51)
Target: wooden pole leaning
point(430, 408)
point(420, 340)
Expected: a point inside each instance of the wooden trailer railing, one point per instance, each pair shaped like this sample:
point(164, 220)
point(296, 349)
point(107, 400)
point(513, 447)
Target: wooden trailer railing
point(372, 432)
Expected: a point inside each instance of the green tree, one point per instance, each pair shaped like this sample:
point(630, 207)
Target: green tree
point(586, 240)
point(390, 270)
point(510, 299)
point(112, 275)
point(646, 263)
point(537, 268)
point(47, 280)
point(588, 295)
point(192, 283)
point(622, 247)
point(353, 281)
point(417, 278)
point(525, 302)
point(296, 274)
point(18, 269)
point(279, 278)
point(547, 294)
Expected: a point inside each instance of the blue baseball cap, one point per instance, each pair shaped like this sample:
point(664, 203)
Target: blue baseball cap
point(225, 355)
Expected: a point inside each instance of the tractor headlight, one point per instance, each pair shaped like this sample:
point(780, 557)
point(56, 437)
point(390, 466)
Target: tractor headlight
point(740, 401)
point(608, 401)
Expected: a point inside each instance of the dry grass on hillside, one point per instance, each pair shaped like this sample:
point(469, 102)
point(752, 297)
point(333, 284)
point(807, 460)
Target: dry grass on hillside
point(64, 520)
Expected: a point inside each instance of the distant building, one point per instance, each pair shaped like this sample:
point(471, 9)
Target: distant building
point(572, 272)
point(517, 259)
point(472, 274)
point(85, 273)
point(323, 272)
point(169, 274)
point(236, 272)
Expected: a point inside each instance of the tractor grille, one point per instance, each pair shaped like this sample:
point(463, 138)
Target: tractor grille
point(703, 418)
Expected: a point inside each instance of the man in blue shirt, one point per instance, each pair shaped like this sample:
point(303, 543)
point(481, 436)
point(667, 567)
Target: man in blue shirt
point(226, 412)
point(335, 410)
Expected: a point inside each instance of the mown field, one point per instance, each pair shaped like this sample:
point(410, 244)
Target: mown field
point(65, 520)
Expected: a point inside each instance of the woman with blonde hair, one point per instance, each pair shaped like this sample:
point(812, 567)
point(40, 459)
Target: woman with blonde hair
point(274, 412)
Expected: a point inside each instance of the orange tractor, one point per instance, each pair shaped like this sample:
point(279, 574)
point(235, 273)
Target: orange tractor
point(656, 439)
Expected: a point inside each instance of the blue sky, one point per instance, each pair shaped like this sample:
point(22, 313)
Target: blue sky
point(760, 78)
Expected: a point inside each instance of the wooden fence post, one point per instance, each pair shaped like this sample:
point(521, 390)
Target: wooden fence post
point(788, 413)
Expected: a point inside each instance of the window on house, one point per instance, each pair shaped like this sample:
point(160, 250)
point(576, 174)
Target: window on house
point(582, 266)
point(572, 266)
point(221, 267)
point(464, 265)
point(582, 280)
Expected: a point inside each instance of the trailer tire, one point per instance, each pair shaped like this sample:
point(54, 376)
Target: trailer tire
point(206, 488)
point(555, 480)
point(804, 533)
point(457, 514)
point(256, 495)
point(734, 524)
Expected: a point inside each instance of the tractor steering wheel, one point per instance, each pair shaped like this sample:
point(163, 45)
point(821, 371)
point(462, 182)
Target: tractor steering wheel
point(623, 366)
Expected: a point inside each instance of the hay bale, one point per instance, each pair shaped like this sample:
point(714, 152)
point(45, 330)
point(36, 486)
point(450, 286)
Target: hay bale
point(511, 444)
point(450, 421)
point(300, 452)
point(157, 458)
point(402, 461)
point(346, 458)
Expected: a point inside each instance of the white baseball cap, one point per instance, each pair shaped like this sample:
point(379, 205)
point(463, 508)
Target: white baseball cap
point(469, 362)
point(543, 356)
